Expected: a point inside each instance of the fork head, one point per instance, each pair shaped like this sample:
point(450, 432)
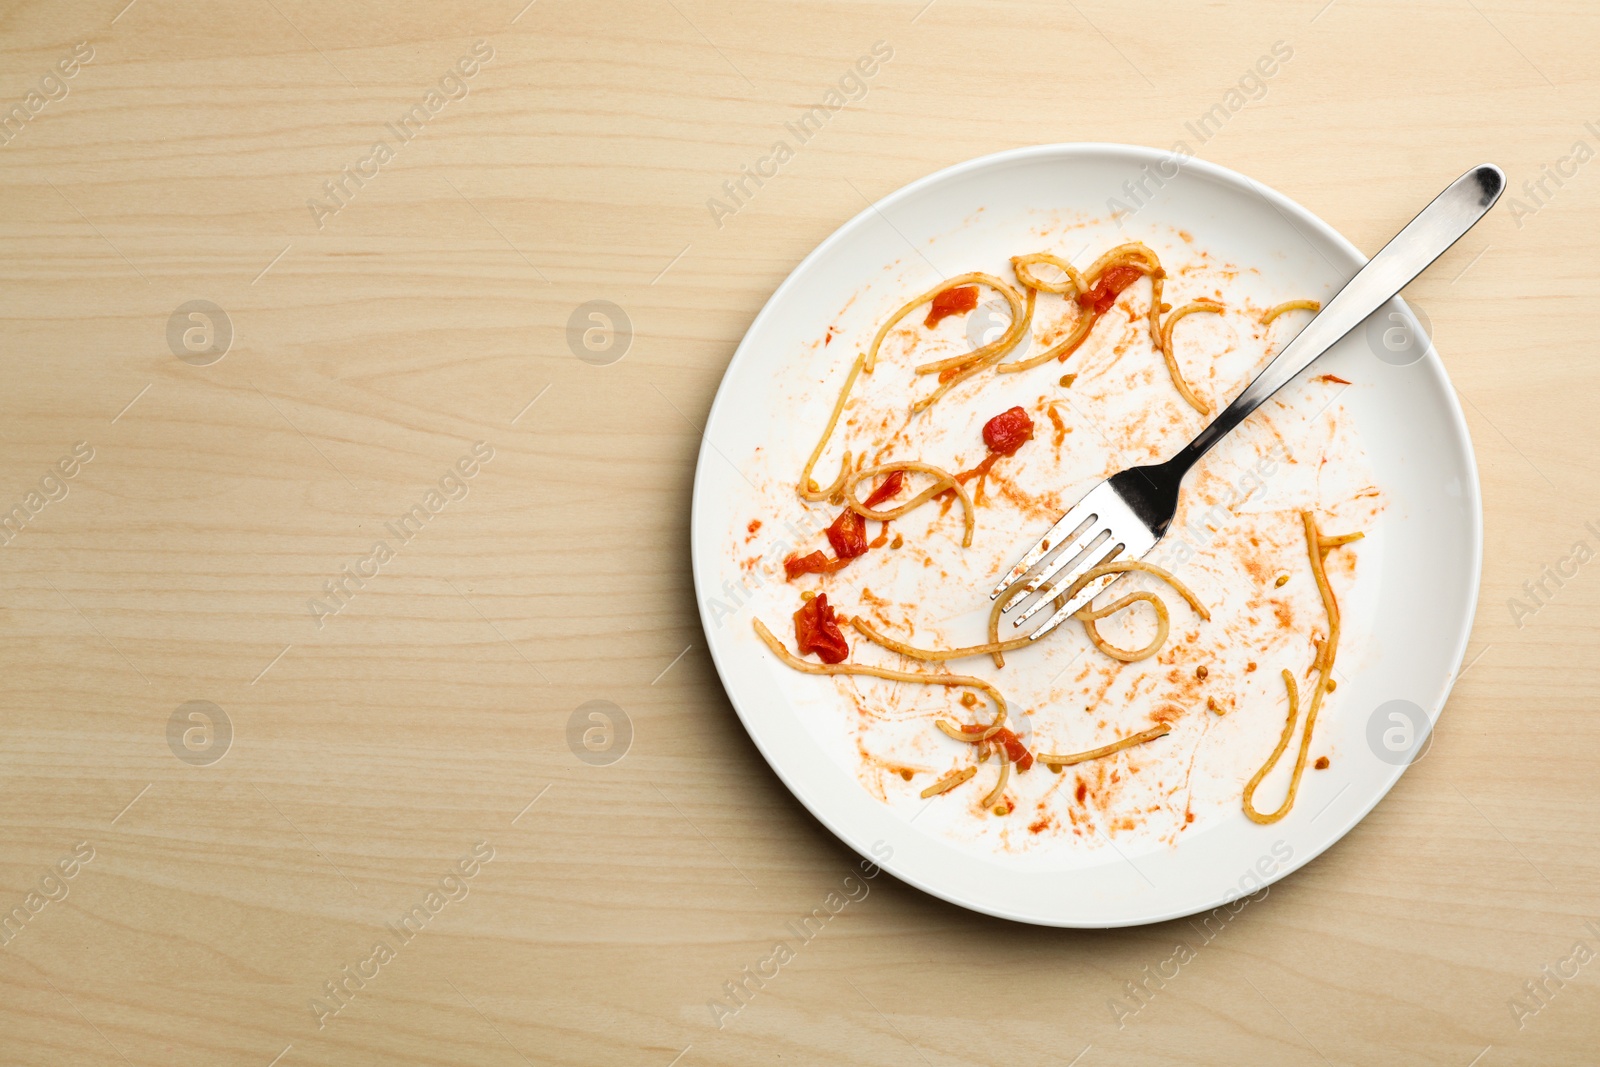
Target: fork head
point(1121, 518)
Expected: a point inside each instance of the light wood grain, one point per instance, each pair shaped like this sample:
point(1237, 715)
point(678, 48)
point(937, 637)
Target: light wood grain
point(369, 755)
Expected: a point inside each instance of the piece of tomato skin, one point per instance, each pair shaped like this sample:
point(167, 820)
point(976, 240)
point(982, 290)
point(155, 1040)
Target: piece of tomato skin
point(811, 563)
point(848, 535)
point(1110, 286)
point(816, 630)
point(955, 301)
point(891, 485)
point(1016, 751)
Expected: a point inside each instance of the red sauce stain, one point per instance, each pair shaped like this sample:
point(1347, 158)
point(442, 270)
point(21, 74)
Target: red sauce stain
point(1055, 420)
point(1167, 713)
point(1260, 570)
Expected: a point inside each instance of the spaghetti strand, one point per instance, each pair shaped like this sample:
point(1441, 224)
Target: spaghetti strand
point(1250, 809)
point(1157, 283)
point(1287, 306)
point(1054, 760)
point(1071, 284)
point(933, 655)
point(1089, 615)
point(808, 486)
point(1010, 295)
point(1122, 566)
point(1020, 308)
point(949, 681)
point(954, 374)
point(1193, 307)
point(1316, 547)
point(949, 782)
point(944, 482)
point(1000, 786)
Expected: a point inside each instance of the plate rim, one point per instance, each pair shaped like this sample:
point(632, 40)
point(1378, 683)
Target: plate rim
point(1456, 417)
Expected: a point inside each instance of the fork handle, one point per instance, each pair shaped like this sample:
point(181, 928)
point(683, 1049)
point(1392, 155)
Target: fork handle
point(1425, 238)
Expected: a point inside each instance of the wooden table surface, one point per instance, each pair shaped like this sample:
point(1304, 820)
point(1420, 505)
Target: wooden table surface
point(238, 747)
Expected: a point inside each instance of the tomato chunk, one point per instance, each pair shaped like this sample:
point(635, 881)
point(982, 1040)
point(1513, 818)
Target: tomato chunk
point(956, 301)
point(891, 485)
point(816, 630)
point(848, 535)
point(1108, 288)
point(1007, 431)
point(1004, 434)
point(1016, 751)
point(811, 563)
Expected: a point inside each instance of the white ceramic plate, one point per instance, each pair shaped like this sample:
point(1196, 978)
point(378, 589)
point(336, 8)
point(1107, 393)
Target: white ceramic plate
point(1408, 607)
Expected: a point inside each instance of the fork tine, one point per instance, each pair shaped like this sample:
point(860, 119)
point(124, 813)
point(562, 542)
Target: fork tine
point(1089, 540)
point(1105, 525)
point(1083, 596)
point(1063, 530)
point(1091, 559)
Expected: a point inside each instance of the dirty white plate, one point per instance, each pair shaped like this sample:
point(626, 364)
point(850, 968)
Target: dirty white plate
point(1418, 577)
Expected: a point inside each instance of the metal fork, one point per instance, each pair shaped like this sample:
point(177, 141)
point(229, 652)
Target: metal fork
point(1124, 516)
